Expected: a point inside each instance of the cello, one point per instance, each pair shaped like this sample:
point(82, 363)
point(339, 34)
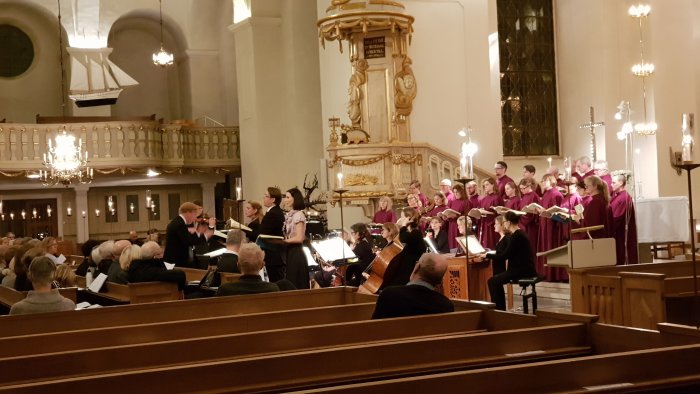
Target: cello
point(381, 267)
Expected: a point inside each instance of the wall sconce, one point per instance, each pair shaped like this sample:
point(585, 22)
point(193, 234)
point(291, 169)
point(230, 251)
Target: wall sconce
point(97, 212)
point(33, 213)
point(69, 210)
point(84, 214)
point(24, 215)
point(2, 215)
point(12, 216)
point(48, 210)
point(110, 203)
point(1, 206)
point(131, 208)
point(148, 199)
point(239, 188)
point(113, 211)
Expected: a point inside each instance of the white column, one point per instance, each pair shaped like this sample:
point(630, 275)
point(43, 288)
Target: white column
point(208, 199)
point(205, 84)
point(81, 205)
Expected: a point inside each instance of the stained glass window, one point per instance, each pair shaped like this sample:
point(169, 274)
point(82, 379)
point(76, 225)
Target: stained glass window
point(528, 78)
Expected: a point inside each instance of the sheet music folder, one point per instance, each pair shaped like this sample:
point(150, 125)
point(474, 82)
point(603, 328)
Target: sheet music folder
point(333, 249)
point(583, 253)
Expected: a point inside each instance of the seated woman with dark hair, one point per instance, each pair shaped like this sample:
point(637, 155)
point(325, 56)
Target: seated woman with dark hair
point(438, 235)
point(363, 250)
point(520, 261)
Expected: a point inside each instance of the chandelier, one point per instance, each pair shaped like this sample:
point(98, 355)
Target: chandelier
point(65, 162)
point(162, 58)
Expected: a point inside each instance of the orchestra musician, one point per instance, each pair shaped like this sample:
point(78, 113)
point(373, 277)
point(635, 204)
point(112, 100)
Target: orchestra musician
point(414, 246)
point(498, 264)
point(414, 188)
point(363, 250)
point(390, 232)
point(519, 255)
point(438, 235)
point(385, 213)
point(180, 237)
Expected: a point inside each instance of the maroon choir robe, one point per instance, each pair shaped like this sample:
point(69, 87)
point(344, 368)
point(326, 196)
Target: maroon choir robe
point(501, 183)
point(598, 212)
point(625, 241)
point(570, 202)
point(488, 237)
point(449, 197)
point(461, 206)
point(474, 203)
point(550, 236)
point(608, 180)
point(581, 177)
point(537, 188)
point(382, 217)
point(431, 214)
point(529, 223)
point(513, 203)
point(423, 199)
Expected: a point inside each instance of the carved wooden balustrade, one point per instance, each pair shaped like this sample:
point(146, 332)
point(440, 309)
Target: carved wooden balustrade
point(124, 146)
point(374, 170)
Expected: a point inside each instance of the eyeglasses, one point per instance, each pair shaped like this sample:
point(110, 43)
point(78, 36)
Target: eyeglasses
point(497, 168)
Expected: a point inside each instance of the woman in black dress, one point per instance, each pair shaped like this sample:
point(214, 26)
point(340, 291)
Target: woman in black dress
point(414, 247)
point(253, 213)
point(520, 261)
point(363, 250)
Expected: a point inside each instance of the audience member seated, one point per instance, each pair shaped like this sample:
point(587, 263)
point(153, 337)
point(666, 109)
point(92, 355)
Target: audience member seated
point(88, 261)
point(134, 238)
point(417, 297)
point(9, 238)
point(228, 261)
point(438, 233)
point(285, 285)
point(50, 246)
point(150, 267)
point(152, 235)
point(43, 298)
point(22, 282)
point(64, 277)
point(250, 262)
point(118, 272)
point(106, 258)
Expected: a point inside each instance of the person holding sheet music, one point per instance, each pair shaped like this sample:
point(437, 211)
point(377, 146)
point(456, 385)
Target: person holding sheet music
point(438, 234)
point(180, 238)
point(518, 253)
point(295, 234)
point(439, 205)
point(598, 211)
point(551, 234)
point(462, 206)
point(253, 212)
point(414, 246)
point(529, 222)
point(487, 235)
point(512, 196)
point(384, 214)
point(271, 224)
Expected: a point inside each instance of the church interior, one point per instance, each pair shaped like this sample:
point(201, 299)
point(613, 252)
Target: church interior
point(163, 102)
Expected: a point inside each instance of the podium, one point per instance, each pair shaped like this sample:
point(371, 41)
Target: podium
point(582, 253)
point(455, 284)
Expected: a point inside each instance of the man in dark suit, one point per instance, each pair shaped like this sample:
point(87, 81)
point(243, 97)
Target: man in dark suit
point(180, 237)
point(250, 262)
point(228, 261)
point(272, 224)
point(418, 297)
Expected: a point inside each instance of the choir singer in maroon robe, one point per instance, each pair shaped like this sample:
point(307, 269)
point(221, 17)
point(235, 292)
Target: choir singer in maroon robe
point(598, 209)
point(502, 179)
point(551, 233)
point(512, 198)
point(461, 205)
point(624, 226)
point(529, 223)
point(384, 214)
point(487, 234)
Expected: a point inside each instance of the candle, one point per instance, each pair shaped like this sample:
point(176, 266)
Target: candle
point(24, 214)
point(339, 184)
point(239, 187)
point(463, 166)
point(97, 212)
point(0, 206)
point(549, 161)
point(83, 213)
point(69, 210)
point(48, 210)
point(34, 213)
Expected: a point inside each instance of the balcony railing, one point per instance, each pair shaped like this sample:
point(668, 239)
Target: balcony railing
point(113, 145)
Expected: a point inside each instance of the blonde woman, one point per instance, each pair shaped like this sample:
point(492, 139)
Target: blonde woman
point(384, 214)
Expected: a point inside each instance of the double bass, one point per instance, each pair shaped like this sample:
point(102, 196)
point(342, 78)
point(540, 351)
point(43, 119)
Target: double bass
point(382, 267)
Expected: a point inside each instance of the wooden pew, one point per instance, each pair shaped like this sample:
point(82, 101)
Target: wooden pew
point(640, 370)
point(181, 310)
point(132, 293)
point(195, 275)
point(633, 295)
point(335, 363)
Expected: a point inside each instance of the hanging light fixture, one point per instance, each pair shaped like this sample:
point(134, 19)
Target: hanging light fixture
point(65, 162)
point(162, 58)
point(643, 69)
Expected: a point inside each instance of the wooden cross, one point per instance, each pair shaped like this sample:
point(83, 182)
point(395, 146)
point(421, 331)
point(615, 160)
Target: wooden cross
point(591, 125)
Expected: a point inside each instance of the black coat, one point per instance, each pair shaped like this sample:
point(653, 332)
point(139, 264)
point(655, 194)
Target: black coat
point(247, 284)
point(272, 224)
point(178, 242)
point(413, 249)
point(410, 300)
point(154, 270)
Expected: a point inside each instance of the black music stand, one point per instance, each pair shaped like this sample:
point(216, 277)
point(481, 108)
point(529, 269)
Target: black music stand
point(464, 182)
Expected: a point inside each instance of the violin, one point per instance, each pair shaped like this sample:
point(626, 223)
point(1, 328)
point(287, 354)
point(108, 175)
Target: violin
point(382, 268)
